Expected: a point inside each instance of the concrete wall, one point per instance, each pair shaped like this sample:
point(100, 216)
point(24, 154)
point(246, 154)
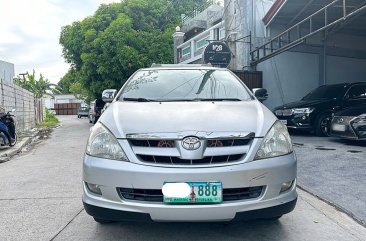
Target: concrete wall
point(289, 76)
point(6, 71)
point(29, 111)
point(341, 70)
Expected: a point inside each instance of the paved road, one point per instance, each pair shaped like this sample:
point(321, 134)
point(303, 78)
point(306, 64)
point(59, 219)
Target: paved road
point(40, 199)
point(334, 170)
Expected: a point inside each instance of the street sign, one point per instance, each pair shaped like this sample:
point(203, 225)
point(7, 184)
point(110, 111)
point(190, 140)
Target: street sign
point(218, 54)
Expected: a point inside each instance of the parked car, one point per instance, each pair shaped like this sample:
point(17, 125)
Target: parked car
point(95, 111)
point(188, 143)
point(350, 123)
point(83, 112)
point(314, 111)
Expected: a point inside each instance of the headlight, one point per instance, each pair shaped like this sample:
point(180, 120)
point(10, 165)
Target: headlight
point(103, 144)
point(277, 142)
point(302, 110)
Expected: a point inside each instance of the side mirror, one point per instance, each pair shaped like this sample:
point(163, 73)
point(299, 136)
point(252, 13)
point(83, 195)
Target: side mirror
point(108, 95)
point(260, 93)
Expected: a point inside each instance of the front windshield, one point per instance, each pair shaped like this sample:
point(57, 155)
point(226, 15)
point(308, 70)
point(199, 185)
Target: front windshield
point(325, 92)
point(184, 85)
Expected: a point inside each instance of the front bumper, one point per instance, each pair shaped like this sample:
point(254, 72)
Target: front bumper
point(118, 215)
point(110, 175)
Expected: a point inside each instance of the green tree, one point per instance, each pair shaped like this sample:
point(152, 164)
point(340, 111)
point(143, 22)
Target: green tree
point(38, 86)
point(106, 48)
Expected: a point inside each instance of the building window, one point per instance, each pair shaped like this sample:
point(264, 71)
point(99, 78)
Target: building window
point(221, 33)
point(202, 43)
point(186, 51)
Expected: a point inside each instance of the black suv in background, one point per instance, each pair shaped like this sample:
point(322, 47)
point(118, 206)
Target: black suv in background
point(314, 111)
point(95, 111)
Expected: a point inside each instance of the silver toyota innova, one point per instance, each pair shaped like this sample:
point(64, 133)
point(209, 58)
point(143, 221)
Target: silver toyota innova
point(188, 143)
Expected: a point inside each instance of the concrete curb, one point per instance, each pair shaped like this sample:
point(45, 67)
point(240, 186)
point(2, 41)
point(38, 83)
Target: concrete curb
point(335, 205)
point(12, 151)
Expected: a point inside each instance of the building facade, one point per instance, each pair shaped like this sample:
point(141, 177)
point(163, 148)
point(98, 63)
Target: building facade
point(297, 45)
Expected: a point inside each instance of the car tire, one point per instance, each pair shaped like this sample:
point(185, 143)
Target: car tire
point(322, 127)
point(102, 221)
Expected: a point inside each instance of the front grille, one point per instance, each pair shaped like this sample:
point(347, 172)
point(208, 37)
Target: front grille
point(178, 161)
point(156, 195)
point(153, 143)
point(171, 143)
point(227, 142)
point(210, 151)
point(343, 120)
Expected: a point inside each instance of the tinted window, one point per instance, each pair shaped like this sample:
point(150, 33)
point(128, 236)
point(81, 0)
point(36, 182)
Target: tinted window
point(326, 92)
point(170, 85)
point(357, 92)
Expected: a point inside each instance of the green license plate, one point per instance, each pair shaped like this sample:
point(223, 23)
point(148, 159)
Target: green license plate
point(200, 192)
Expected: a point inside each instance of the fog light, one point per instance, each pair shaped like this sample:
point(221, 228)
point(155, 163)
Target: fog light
point(286, 186)
point(94, 188)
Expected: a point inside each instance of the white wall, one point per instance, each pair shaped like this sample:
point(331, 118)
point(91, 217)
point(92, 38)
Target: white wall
point(6, 71)
point(289, 76)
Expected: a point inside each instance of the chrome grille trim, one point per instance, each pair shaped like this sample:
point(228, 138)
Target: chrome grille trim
point(203, 135)
point(222, 150)
point(169, 160)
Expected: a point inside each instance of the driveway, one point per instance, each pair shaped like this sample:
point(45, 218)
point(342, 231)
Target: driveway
point(334, 170)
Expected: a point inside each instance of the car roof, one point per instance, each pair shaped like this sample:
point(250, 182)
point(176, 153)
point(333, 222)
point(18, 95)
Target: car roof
point(352, 83)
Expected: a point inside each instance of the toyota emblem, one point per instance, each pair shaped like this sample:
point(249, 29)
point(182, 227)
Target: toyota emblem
point(191, 143)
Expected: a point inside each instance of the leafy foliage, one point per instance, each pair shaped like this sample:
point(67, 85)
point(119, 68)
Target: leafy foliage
point(38, 86)
point(105, 49)
point(50, 120)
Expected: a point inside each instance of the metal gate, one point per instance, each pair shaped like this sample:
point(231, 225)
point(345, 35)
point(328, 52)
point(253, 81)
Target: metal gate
point(67, 108)
point(252, 79)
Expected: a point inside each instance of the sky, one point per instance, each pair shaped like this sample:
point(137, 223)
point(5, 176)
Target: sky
point(30, 31)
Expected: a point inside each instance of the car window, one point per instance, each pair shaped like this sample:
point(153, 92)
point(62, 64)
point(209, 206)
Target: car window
point(357, 92)
point(325, 92)
point(186, 84)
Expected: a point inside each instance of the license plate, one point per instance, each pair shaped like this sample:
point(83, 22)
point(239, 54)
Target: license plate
point(199, 192)
point(338, 127)
point(284, 122)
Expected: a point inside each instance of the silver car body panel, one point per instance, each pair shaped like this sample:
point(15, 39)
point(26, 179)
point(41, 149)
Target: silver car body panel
point(203, 118)
point(110, 174)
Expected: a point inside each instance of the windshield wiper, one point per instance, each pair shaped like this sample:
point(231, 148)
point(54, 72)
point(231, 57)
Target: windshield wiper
point(137, 99)
point(217, 99)
point(181, 100)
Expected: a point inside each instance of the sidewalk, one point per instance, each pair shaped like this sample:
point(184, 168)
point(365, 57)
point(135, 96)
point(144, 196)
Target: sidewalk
point(7, 152)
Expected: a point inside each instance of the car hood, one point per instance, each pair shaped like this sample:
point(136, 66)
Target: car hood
point(305, 104)
point(123, 118)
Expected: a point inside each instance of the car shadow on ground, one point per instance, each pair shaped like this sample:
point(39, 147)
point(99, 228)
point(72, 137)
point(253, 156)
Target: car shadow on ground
point(248, 230)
